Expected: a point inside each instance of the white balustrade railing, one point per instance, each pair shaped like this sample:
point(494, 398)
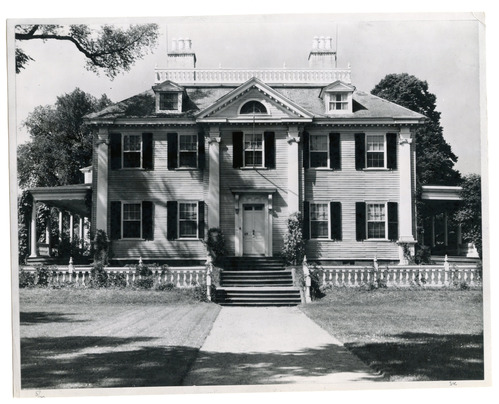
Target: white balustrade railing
point(213, 76)
point(181, 277)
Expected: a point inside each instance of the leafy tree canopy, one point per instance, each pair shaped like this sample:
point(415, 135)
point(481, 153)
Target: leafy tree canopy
point(469, 215)
point(60, 143)
point(434, 157)
point(112, 49)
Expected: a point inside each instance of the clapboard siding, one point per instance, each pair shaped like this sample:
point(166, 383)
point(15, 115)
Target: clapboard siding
point(253, 178)
point(158, 186)
point(348, 186)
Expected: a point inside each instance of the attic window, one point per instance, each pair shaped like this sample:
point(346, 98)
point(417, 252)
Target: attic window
point(168, 101)
point(253, 107)
point(338, 101)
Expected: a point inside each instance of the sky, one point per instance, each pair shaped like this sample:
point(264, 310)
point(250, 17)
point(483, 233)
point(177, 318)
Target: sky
point(441, 49)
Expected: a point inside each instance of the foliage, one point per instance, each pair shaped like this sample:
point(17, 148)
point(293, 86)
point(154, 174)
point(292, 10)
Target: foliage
point(434, 157)
point(100, 247)
point(68, 248)
point(60, 144)
point(316, 286)
point(469, 215)
point(44, 275)
point(377, 281)
point(26, 279)
point(109, 48)
point(24, 206)
point(98, 276)
point(215, 243)
point(165, 286)
point(421, 256)
point(294, 243)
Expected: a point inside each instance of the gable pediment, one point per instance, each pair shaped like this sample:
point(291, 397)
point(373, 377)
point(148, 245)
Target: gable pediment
point(337, 87)
point(271, 105)
point(167, 86)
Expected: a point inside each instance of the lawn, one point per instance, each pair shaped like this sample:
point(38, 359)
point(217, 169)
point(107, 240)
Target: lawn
point(76, 338)
point(409, 335)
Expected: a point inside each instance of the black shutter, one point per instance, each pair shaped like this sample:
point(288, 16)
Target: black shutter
point(115, 220)
point(237, 143)
point(391, 151)
point(115, 151)
point(306, 150)
point(334, 151)
point(147, 220)
point(360, 220)
point(147, 151)
point(172, 146)
point(306, 220)
point(201, 151)
point(393, 223)
point(201, 219)
point(335, 210)
point(269, 149)
point(360, 151)
point(171, 225)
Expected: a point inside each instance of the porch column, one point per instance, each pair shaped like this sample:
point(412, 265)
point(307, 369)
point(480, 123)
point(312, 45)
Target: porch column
point(433, 241)
point(102, 180)
point(71, 228)
point(293, 170)
point(33, 237)
point(459, 238)
point(80, 231)
point(60, 225)
point(446, 230)
point(405, 185)
point(48, 236)
point(213, 199)
point(85, 230)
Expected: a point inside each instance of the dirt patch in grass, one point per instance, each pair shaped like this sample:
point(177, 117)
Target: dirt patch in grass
point(109, 338)
point(409, 335)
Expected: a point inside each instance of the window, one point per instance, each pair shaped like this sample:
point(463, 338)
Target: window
point(187, 151)
point(253, 150)
point(132, 150)
point(131, 220)
point(188, 219)
point(375, 151)
point(376, 221)
point(319, 151)
point(338, 102)
point(168, 101)
point(319, 220)
point(253, 107)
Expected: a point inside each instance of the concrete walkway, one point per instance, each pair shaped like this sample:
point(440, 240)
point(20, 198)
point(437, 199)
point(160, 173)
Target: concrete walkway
point(273, 345)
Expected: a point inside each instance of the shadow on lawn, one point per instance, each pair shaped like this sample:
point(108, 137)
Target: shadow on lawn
point(41, 317)
point(423, 356)
point(96, 362)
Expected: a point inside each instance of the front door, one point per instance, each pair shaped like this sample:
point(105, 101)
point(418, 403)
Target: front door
point(254, 229)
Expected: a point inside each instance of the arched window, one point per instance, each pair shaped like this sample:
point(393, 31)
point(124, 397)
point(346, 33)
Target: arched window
point(253, 107)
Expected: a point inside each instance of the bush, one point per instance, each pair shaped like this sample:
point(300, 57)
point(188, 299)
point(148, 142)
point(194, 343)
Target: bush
point(98, 276)
point(100, 247)
point(116, 280)
point(317, 289)
point(215, 243)
point(199, 292)
point(26, 279)
point(43, 275)
point(294, 243)
point(144, 282)
point(165, 286)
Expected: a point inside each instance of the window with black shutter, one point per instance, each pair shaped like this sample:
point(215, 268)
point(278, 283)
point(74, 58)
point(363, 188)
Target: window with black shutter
point(360, 151)
point(171, 225)
point(147, 151)
point(147, 220)
point(360, 220)
point(115, 150)
point(335, 151)
point(269, 149)
point(391, 151)
point(201, 219)
point(306, 150)
point(306, 220)
point(393, 225)
point(115, 223)
point(201, 151)
point(237, 143)
point(172, 146)
point(335, 215)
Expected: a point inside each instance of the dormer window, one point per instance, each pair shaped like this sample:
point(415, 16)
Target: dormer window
point(338, 98)
point(168, 97)
point(168, 101)
point(253, 107)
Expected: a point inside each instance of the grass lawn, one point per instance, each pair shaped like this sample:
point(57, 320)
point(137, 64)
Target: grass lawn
point(76, 338)
point(409, 335)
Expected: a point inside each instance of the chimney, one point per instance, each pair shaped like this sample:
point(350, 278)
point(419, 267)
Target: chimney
point(181, 55)
point(322, 56)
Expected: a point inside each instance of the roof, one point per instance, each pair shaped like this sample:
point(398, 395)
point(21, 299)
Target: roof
point(199, 98)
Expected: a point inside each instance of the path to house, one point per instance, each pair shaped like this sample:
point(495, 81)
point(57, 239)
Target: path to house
point(272, 345)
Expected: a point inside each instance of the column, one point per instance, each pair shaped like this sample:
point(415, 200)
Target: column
point(446, 230)
point(33, 237)
point(213, 199)
point(102, 180)
point(60, 225)
point(459, 238)
point(71, 227)
point(80, 231)
point(293, 170)
point(433, 241)
point(405, 207)
point(48, 236)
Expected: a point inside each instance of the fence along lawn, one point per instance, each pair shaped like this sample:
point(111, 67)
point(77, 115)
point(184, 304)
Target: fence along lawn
point(104, 338)
point(409, 335)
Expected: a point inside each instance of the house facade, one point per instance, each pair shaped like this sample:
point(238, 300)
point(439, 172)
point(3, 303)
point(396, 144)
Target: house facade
point(242, 150)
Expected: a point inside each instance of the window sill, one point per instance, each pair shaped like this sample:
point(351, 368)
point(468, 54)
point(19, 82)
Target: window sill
point(254, 168)
point(324, 169)
point(188, 239)
point(187, 169)
point(132, 239)
point(383, 240)
point(377, 169)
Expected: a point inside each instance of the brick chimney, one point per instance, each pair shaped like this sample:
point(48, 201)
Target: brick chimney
point(181, 55)
point(322, 56)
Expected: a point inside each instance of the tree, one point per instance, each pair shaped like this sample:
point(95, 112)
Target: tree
point(110, 48)
point(434, 157)
point(60, 143)
point(469, 215)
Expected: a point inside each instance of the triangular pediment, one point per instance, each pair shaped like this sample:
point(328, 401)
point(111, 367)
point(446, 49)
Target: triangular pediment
point(275, 105)
point(167, 86)
point(337, 86)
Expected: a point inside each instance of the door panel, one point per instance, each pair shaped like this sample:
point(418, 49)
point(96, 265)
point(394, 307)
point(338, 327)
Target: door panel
point(254, 229)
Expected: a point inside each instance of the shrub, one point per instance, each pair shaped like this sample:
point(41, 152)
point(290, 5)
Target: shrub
point(98, 276)
point(43, 275)
point(100, 247)
point(294, 243)
point(165, 286)
point(421, 256)
point(199, 292)
point(144, 283)
point(215, 243)
point(26, 279)
point(116, 280)
point(317, 289)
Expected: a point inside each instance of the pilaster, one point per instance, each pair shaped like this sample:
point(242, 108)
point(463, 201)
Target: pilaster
point(102, 179)
point(293, 170)
point(213, 199)
point(33, 236)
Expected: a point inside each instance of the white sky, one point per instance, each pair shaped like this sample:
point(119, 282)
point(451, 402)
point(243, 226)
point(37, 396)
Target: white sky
point(442, 50)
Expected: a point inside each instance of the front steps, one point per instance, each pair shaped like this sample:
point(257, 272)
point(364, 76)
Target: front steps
point(256, 281)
